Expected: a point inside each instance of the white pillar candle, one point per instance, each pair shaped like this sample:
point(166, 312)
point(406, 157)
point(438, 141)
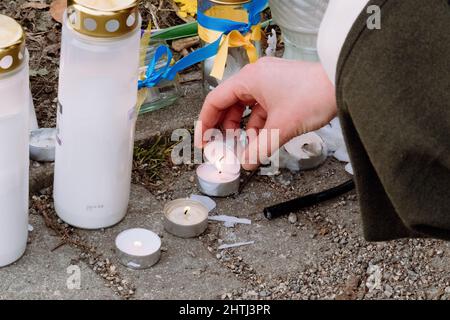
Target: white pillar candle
point(185, 218)
point(138, 248)
point(96, 115)
point(14, 132)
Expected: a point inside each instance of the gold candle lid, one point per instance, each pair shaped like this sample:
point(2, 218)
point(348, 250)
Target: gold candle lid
point(231, 2)
point(103, 18)
point(12, 44)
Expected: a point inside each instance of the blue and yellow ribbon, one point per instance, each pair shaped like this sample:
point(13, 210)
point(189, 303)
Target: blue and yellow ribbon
point(220, 34)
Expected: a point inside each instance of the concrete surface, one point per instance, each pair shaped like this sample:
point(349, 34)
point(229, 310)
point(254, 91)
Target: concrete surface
point(320, 253)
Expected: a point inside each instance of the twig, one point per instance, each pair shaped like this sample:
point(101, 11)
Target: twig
point(154, 18)
point(59, 245)
point(246, 181)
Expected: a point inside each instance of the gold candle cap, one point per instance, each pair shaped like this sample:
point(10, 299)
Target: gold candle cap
point(103, 18)
point(230, 2)
point(12, 44)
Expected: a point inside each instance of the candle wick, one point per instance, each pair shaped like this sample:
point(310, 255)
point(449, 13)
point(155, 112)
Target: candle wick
point(186, 212)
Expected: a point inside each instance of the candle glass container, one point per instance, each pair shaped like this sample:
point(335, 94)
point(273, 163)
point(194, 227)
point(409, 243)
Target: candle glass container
point(299, 21)
point(14, 131)
point(237, 57)
point(96, 113)
point(166, 92)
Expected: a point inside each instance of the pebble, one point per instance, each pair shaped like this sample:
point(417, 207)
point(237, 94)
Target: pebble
point(293, 218)
point(388, 291)
point(295, 288)
point(264, 293)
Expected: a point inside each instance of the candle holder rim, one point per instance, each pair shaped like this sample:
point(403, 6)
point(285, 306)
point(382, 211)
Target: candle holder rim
point(171, 204)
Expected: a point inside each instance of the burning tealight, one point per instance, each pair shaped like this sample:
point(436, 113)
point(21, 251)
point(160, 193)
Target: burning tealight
point(138, 248)
point(220, 176)
point(185, 218)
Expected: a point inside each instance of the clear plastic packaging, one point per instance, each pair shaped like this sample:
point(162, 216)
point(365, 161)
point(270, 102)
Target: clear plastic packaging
point(165, 93)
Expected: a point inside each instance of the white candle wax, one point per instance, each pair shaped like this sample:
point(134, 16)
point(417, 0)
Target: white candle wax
point(138, 248)
point(308, 149)
point(185, 218)
point(209, 172)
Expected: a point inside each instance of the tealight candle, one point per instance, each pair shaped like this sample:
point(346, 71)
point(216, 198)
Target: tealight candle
point(185, 218)
point(220, 176)
point(42, 144)
point(138, 248)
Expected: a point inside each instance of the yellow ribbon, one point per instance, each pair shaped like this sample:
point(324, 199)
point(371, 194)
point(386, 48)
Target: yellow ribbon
point(145, 43)
point(232, 40)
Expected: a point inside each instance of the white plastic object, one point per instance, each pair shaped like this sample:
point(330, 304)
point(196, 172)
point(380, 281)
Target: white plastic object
point(308, 150)
point(14, 163)
point(95, 131)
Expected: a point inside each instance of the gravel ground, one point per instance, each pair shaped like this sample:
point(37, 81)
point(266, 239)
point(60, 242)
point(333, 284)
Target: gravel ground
point(317, 253)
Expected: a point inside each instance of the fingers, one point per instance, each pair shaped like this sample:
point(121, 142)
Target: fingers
point(262, 144)
point(258, 118)
point(231, 93)
point(233, 117)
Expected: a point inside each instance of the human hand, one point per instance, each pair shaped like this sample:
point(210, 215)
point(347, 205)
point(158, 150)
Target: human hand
point(294, 97)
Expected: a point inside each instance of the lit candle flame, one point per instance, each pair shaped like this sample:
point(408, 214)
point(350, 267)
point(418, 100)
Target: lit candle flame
point(138, 244)
point(186, 210)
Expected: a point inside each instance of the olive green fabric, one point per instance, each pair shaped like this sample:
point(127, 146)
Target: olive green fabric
point(393, 92)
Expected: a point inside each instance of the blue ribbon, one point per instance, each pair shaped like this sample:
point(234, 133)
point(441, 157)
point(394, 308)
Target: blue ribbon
point(153, 77)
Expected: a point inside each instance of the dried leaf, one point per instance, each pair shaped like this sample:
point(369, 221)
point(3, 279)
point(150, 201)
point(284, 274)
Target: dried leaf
point(186, 9)
point(41, 72)
point(34, 5)
point(57, 9)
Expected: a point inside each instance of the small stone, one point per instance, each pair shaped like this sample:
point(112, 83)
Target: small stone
point(295, 288)
point(252, 293)
point(264, 293)
point(388, 291)
point(292, 218)
point(191, 179)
